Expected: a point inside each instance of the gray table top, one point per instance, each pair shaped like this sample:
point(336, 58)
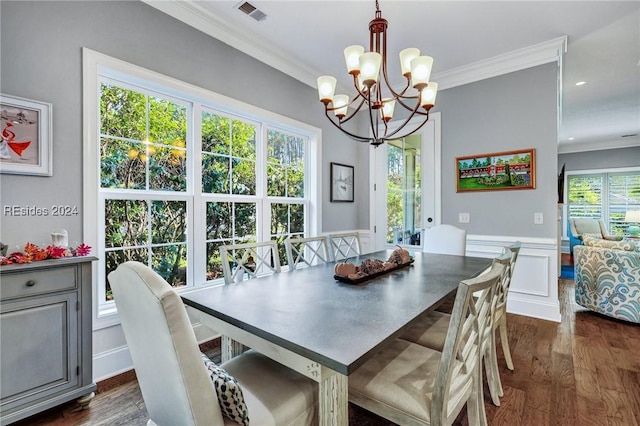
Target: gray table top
point(336, 324)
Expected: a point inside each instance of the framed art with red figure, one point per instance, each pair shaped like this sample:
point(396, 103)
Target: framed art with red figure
point(25, 136)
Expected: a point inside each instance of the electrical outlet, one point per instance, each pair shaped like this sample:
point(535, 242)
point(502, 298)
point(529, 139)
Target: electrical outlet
point(463, 218)
point(538, 218)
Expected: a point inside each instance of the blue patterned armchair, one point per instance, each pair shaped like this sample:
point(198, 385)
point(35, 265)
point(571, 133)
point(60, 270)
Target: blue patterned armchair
point(608, 278)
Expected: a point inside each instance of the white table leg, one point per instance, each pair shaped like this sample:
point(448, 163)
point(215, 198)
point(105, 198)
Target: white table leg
point(229, 348)
point(334, 399)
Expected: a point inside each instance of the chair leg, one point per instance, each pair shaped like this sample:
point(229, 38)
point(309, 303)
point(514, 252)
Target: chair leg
point(493, 375)
point(475, 405)
point(505, 342)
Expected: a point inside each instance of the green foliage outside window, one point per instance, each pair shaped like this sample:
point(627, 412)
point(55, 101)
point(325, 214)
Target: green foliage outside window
point(143, 148)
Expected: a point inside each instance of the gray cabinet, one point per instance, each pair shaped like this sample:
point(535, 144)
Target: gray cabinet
point(45, 336)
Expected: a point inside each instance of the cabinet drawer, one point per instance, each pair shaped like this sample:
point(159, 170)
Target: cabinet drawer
point(28, 283)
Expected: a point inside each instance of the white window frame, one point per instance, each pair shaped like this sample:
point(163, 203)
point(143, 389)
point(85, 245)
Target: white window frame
point(605, 193)
point(95, 65)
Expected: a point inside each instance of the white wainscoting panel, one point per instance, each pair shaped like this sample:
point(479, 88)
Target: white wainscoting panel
point(534, 288)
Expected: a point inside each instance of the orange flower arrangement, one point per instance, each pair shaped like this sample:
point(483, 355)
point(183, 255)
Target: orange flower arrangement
point(33, 253)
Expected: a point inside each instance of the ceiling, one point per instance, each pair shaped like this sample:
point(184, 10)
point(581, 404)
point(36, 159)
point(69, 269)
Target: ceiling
point(305, 39)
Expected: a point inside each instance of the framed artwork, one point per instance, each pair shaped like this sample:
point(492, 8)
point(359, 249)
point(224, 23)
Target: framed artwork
point(496, 171)
point(341, 183)
point(25, 144)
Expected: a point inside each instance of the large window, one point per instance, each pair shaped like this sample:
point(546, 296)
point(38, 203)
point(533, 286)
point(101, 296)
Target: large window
point(174, 173)
point(604, 195)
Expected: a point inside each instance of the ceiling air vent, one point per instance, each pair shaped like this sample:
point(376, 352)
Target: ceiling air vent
point(252, 11)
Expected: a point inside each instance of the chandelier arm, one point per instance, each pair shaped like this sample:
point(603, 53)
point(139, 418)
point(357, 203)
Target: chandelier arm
point(392, 136)
point(374, 128)
point(349, 117)
point(345, 131)
point(358, 91)
point(414, 110)
point(395, 94)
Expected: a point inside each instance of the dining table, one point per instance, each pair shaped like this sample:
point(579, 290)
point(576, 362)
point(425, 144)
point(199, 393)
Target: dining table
point(324, 328)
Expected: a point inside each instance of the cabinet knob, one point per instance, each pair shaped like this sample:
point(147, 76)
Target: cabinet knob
point(31, 283)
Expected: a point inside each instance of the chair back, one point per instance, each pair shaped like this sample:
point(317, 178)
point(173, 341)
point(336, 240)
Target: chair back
point(249, 259)
point(514, 250)
point(175, 385)
point(581, 226)
point(345, 245)
point(306, 251)
point(502, 290)
point(445, 239)
point(459, 370)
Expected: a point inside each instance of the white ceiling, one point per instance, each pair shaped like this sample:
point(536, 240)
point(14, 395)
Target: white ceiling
point(305, 39)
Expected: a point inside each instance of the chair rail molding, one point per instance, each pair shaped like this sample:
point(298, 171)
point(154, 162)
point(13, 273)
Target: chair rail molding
point(534, 288)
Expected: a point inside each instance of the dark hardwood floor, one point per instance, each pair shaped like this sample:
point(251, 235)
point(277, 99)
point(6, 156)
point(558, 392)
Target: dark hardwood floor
point(582, 371)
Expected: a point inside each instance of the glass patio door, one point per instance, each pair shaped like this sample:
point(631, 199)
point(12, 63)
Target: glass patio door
point(405, 200)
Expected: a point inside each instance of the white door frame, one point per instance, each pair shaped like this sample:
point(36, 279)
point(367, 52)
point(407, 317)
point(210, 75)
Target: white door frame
point(431, 172)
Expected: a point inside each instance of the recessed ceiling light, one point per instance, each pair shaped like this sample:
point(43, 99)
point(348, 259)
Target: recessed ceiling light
point(580, 83)
point(571, 139)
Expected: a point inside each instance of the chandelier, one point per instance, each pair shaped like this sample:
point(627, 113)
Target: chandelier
point(369, 71)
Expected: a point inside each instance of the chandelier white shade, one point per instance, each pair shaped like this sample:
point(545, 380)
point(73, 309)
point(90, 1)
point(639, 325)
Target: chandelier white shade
point(373, 92)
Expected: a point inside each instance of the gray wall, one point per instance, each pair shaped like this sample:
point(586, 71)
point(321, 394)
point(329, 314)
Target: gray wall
point(508, 112)
point(603, 159)
point(41, 59)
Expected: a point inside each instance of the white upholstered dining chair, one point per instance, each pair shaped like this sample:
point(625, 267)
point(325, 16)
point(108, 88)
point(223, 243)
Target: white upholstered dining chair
point(249, 259)
point(306, 251)
point(176, 386)
point(344, 245)
point(444, 239)
point(411, 384)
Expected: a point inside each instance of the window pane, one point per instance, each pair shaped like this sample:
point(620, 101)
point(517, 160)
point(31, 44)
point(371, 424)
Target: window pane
point(295, 182)
point(116, 257)
point(126, 223)
point(167, 121)
point(297, 218)
point(585, 196)
point(122, 164)
point(624, 196)
point(122, 112)
point(167, 168)
point(219, 225)
point(245, 220)
point(243, 177)
point(215, 174)
point(214, 262)
point(216, 134)
point(279, 219)
point(285, 168)
point(169, 221)
point(404, 197)
point(276, 180)
point(244, 140)
point(170, 262)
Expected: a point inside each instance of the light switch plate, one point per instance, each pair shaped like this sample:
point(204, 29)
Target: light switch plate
point(538, 218)
point(463, 218)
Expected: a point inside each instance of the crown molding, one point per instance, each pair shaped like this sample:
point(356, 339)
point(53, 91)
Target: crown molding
point(538, 54)
point(573, 147)
point(191, 13)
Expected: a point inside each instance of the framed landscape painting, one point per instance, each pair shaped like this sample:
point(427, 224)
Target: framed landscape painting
point(341, 182)
point(25, 144)
point(496, 171)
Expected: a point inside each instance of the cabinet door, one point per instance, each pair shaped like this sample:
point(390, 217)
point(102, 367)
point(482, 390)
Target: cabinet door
point(39, 340)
